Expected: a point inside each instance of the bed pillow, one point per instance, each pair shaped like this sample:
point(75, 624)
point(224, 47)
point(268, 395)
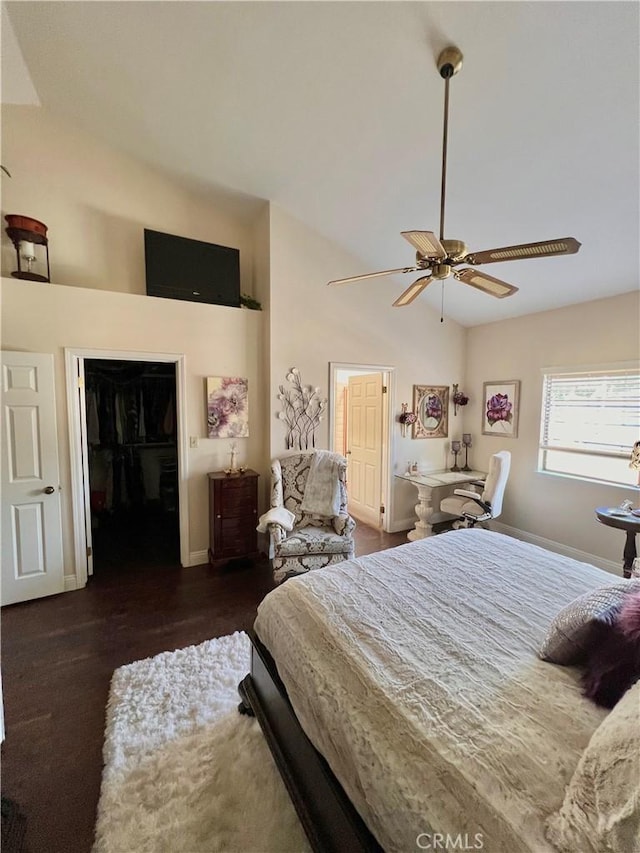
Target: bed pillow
point(601, 808)
point(613, 661)
point(571, 633)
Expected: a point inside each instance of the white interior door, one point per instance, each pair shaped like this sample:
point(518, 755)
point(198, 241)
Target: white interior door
point(364, 439)
point(32, 564)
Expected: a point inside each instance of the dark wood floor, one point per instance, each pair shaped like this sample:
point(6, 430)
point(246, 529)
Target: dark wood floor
point(58, 656)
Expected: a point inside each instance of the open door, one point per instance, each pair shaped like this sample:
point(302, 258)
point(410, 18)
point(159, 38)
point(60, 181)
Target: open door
point(32, 564)
point(365, 446)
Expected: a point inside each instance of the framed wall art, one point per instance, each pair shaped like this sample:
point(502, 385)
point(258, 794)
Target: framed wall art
point(500, 408)
point(431, 405)
point(227, 407)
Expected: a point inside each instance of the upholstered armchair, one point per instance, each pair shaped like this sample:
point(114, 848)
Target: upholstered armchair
point(315, 541)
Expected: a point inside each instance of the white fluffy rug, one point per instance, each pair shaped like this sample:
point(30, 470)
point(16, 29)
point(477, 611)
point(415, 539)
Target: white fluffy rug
point(184, 771)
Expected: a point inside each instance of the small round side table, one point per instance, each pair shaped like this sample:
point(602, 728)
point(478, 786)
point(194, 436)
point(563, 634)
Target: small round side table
point(613, 517)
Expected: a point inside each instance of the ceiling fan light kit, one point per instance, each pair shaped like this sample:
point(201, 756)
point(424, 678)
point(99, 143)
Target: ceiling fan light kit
point(438, 256)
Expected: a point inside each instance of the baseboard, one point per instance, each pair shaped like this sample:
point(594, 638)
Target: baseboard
point(558, 547)
point(403, 524)
point(70, 582)
point(197, 558)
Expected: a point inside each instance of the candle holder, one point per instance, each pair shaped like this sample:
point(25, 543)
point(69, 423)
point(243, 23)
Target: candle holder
point(233, 453)
point(455, 449)
point(406, 418)
point(466, 441)
point(459, 399)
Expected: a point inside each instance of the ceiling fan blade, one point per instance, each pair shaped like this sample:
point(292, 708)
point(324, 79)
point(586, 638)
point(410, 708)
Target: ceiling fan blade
point(426, 243)
point(372, 275)
point(413, 291)
point(486, 283)
point(563, 246)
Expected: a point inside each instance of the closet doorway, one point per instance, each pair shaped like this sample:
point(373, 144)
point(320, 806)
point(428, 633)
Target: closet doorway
point(128, 460)
point(132, 454)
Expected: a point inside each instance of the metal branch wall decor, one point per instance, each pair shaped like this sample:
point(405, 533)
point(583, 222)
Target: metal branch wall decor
point(302, 410)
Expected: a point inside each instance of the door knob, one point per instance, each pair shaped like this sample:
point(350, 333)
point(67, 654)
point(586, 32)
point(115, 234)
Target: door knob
point(48, 490)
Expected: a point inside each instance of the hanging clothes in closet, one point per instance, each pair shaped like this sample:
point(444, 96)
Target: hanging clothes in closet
point(130, 410)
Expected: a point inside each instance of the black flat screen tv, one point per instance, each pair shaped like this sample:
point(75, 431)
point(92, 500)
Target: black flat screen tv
point(180, 268)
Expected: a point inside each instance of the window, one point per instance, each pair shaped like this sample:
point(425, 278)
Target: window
point(590, 422)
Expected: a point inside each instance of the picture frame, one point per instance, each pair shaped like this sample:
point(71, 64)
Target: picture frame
point(500, 408)
point(431, 405)
point(227, 407)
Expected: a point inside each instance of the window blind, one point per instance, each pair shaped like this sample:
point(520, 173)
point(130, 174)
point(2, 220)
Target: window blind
point(597, 413)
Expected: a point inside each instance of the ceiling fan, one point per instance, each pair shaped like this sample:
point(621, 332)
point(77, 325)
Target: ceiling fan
point(438, 257)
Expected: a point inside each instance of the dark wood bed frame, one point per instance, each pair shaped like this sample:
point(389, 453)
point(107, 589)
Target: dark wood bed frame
point(327, 815)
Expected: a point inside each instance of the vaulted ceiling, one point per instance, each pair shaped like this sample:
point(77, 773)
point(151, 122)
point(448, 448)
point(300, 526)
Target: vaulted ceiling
point(334, 111)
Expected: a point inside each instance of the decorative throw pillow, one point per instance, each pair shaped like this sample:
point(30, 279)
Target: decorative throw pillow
point(601, 808)
point(613, 662)
point(571, 634)
point(629, 620)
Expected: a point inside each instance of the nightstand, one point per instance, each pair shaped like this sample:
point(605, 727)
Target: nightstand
point(233, 515)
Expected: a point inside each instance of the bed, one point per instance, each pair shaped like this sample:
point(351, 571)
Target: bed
point(420, 704)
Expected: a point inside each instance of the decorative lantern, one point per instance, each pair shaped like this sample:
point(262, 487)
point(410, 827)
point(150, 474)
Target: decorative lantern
point(29, 236)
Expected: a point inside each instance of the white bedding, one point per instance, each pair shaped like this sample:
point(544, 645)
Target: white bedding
point(414, 672)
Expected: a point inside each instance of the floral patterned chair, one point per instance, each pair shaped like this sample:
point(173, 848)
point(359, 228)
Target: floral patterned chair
point(315, 541)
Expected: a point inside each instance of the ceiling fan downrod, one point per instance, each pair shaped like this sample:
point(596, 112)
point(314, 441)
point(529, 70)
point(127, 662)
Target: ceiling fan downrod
point(449, 63)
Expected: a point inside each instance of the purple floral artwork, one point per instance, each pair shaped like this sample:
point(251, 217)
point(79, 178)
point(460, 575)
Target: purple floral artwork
point(500, 415)
point(227, 407)
point(433, 408)
point(431, 405)
point(499, 408)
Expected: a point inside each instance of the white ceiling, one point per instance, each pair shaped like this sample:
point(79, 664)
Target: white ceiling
point(334, 111)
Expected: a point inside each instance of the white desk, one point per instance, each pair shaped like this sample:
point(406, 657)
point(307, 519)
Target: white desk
point(425, 484)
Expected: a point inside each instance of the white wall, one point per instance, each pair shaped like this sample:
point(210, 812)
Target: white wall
point(96, 203)
point(599, 332)
point(312, 324)
point(262, 285)
point(216, 340)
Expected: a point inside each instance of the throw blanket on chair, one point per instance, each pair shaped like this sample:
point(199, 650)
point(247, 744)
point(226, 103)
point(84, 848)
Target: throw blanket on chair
point(322, 490)
point(276, 515)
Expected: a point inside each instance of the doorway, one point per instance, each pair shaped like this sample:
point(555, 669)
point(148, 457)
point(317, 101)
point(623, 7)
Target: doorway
point(360, 430)
point(130, 413)
point(162, 493)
